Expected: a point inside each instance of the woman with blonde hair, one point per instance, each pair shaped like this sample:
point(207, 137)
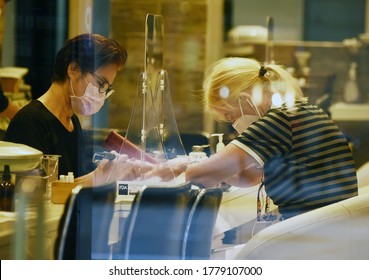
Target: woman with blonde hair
point(285, 144)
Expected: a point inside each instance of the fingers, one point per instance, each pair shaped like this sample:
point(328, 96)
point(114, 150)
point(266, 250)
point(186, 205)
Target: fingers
point(121, 157)
point(125, 168)
point(166, 171)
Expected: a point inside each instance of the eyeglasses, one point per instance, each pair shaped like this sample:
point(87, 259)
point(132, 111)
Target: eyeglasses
point(104, 86)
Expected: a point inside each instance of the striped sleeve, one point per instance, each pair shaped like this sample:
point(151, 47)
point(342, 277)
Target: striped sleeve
point(268, 137)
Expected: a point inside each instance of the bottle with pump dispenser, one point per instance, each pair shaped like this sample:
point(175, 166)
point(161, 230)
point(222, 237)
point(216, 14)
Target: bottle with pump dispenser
point(6, 191)
point(220, 145)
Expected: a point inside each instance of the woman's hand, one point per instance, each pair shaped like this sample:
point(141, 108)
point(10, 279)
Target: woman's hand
point(168, 170)
point(122, 168)
point(117, 169)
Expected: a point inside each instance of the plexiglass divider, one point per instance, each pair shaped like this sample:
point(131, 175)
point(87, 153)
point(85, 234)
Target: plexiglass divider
point(152, 129)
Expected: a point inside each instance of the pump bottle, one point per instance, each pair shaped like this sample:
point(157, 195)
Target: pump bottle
point(220, 144)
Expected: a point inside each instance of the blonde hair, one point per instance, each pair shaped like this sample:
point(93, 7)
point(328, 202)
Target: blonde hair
point(228, 77)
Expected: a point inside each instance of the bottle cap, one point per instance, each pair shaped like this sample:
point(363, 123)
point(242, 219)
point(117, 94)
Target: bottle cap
point(220, 136)
point(199, 148)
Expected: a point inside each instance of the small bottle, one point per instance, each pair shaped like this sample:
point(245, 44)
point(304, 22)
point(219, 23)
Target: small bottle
point(6, 191)
point(70, 177)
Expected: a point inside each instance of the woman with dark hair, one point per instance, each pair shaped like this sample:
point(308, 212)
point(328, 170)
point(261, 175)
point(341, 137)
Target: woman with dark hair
point(84, 71)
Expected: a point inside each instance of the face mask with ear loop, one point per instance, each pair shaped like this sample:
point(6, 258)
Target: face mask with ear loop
point(89, 103)
point(243, 122)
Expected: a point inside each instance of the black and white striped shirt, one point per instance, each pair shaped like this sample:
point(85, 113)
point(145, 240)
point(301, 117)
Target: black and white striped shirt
point(307, 161)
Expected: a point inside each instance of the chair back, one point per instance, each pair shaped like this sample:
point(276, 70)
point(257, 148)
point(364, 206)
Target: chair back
point(200, 224)
point(155, 226)
point(85, 224)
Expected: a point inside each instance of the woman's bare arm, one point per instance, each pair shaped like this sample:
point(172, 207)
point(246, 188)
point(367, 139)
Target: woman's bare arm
point(229, 162)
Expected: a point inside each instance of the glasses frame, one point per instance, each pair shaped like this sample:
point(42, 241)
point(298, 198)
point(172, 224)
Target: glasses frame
point(104, 86)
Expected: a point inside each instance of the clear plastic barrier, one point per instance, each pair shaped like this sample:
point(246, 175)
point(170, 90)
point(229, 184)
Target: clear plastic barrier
point(152, 136)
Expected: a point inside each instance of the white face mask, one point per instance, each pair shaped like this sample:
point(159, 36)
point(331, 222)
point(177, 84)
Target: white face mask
point(89, 103)
point(243, 122)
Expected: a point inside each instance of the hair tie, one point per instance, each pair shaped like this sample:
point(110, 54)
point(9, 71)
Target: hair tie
point(262, 71)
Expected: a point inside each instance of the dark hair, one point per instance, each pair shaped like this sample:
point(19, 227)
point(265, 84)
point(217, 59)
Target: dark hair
point(89, 51)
